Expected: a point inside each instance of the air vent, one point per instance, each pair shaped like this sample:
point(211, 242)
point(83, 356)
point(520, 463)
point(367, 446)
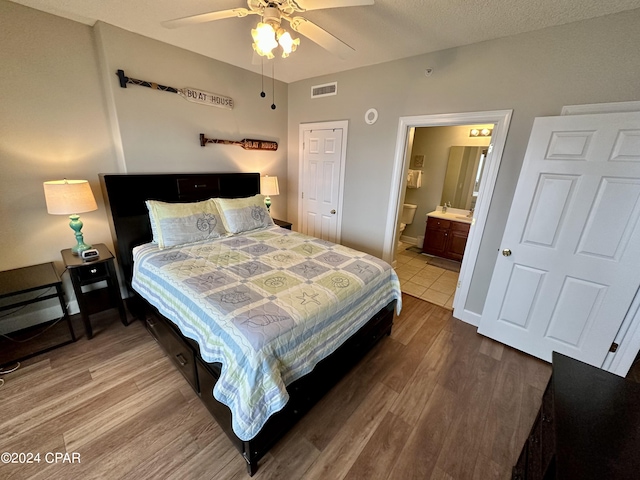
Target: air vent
point(325, 90)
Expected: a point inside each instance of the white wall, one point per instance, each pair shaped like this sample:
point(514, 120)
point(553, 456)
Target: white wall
point(534, 74)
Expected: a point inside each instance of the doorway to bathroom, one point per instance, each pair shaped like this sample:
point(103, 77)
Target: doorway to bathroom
point(422, 177)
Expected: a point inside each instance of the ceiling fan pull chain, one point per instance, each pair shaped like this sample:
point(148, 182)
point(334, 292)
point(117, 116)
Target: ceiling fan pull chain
point(273, 86)
point(262, 94)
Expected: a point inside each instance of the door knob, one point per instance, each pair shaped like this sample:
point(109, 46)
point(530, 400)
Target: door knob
point(333, 212)
point(506, 252)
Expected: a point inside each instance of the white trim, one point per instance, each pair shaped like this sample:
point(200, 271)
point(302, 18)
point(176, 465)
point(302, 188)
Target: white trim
point(501, 119)
point(335, 125)
point(590, 108)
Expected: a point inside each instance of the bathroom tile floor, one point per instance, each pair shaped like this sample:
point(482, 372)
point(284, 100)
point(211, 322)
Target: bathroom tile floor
point(428, 282)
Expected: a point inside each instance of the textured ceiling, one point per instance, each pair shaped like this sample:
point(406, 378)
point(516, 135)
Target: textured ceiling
point(387, 30)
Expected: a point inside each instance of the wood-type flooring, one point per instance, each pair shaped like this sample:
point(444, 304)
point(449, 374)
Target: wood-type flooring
point(435, 400)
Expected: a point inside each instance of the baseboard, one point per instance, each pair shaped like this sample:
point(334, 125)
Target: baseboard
point(411, 240)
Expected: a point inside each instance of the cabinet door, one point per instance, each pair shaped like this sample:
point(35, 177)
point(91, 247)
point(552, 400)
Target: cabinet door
point(457, 241)
point(435, 241)
point(435, 236)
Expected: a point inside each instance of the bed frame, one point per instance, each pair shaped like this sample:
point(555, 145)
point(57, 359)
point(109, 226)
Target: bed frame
point(125, 197)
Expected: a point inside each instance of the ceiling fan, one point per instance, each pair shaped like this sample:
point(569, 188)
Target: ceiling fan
point(269, 32)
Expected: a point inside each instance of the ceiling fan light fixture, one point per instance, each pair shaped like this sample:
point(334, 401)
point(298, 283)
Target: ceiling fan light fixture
point(287, 43)
point(264, 39)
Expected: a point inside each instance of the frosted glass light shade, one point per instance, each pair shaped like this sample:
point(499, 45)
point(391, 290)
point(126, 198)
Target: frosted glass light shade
point(264, 38)
point(269, 186)
point(287, 43)
point(66, 197)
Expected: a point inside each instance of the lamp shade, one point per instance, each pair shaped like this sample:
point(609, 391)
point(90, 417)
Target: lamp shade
point(67, 197)
point(269, 186)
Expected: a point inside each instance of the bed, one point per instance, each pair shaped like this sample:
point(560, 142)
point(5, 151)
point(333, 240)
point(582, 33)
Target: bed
point(261, 322)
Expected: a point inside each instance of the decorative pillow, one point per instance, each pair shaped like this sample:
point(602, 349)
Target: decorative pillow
point(175, 224)
point(243, 214)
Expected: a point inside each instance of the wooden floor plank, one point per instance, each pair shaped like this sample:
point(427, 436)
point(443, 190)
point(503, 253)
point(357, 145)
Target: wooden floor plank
point(292, 457)
point(149, 442)
point(338, 457)
point(380, 454)
point(405, 329)
point(78, 413)
point(418, 458)
point(333, 410)
point(113, 417)
point(42, 393)
point(415, 395)
point(460, 448)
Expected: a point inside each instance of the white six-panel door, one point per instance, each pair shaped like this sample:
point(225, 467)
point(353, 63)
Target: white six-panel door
point(322, 155)
point(569, 265)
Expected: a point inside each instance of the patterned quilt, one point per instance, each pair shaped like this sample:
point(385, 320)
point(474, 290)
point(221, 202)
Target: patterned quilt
point(267, 304)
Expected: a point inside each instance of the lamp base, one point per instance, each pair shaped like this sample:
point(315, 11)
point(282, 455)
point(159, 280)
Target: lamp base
point(76, 226)
point(267, 202)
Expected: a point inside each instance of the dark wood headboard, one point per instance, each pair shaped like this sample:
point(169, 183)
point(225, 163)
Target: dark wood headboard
point(125, 196)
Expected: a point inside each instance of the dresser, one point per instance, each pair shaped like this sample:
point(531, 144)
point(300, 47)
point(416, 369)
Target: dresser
point(588, 427)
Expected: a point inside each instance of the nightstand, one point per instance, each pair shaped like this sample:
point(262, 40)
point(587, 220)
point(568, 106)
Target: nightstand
point(88, 273)
point(282, 223)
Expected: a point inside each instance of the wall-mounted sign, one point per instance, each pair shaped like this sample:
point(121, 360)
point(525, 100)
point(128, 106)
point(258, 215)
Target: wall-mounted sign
point(247, 143)
point(190, 94)
point(205, 98)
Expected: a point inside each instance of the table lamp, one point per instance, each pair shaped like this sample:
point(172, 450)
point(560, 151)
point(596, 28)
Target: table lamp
point(71, 197)
point(268, 187)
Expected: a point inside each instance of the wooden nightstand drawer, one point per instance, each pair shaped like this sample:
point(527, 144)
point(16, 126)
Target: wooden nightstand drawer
point(97, 271)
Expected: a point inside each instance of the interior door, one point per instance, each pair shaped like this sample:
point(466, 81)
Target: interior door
point(569, 265)
point(322, 157)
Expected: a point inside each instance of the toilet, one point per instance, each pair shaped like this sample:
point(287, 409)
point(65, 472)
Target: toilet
point(408, 212)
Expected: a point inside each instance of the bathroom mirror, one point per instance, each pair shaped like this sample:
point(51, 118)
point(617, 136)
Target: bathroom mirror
point(462, 179)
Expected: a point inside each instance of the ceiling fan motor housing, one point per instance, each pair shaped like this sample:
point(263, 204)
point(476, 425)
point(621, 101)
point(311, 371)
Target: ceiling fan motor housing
point(271, 16)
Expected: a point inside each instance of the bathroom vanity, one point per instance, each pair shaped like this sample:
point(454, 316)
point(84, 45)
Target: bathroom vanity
point(446, 234)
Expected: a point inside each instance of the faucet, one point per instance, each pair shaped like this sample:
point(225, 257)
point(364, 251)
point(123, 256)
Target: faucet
point(470, 214)
point(445, 206)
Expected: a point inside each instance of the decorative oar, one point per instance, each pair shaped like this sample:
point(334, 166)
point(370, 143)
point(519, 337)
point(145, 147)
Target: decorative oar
point(247, 143)
point(190, 94)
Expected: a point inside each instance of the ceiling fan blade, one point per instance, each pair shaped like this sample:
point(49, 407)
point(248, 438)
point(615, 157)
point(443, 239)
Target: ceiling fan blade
point(320, 4)
point(206, 17)
point(320, 36)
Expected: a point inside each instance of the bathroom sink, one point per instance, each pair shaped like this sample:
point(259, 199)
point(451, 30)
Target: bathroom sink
point(454, 216)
